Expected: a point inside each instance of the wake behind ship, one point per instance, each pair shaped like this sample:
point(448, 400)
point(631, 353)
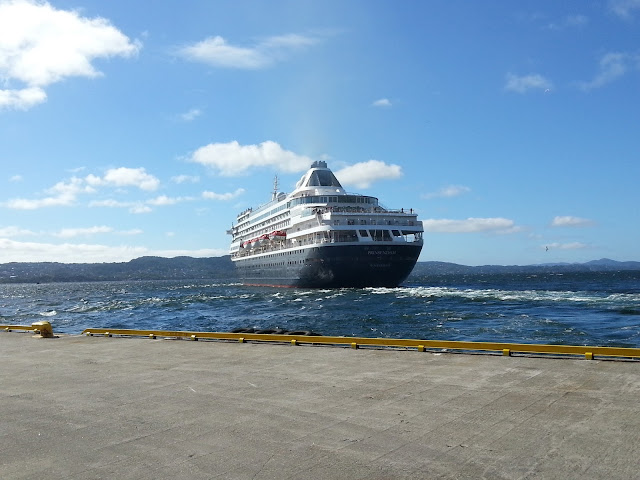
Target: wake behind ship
point(320, 236)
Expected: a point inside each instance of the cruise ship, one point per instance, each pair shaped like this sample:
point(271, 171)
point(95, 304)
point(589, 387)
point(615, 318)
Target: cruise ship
point(320, 236)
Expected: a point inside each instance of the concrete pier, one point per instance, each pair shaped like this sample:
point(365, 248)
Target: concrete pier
point(78, 407)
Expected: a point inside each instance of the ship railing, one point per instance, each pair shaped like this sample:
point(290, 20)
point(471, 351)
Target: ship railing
point(262, 249)
point(361, 210)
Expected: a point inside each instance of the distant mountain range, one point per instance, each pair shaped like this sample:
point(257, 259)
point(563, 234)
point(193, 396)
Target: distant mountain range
point(444, 268)
point(188, 268)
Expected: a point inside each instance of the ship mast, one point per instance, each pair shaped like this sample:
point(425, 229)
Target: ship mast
point(274, 194)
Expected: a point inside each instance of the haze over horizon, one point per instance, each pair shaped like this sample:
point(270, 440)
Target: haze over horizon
point(129, 131)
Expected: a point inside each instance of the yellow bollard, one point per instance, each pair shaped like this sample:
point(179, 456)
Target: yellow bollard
point(588, 356)
point(421, 348)
point(241, 339)
point(194, 338)
point(354, 345)
point(506, 352)
point(294, 342)
point(152, 336)
point(43, 328)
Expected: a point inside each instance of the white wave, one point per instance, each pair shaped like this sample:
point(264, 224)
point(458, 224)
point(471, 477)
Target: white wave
point(516, 295)
point(382, 290)
point(48, 313)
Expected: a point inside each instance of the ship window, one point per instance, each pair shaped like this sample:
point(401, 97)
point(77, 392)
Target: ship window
point(364, 233)
point(380, 235)
point(396, 233)
point(346, 236)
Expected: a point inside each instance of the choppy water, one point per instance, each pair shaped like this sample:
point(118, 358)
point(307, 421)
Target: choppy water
point(581, 309)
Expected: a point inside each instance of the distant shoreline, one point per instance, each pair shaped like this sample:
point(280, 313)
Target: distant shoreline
point(189, 268)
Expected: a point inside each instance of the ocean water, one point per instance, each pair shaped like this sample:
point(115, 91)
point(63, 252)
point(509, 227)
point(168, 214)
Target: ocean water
point(601, 309)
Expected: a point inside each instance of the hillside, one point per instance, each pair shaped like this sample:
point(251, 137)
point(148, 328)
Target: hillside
point(159, 268)
point(144, 268)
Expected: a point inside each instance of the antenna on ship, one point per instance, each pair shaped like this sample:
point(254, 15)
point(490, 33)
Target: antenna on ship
point(274, 195)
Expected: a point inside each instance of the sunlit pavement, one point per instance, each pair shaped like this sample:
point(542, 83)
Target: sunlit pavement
point(93, 407)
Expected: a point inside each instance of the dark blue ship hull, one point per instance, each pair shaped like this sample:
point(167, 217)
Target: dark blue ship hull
point(331, 266)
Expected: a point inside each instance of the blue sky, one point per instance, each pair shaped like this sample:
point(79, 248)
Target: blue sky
point(136, 128)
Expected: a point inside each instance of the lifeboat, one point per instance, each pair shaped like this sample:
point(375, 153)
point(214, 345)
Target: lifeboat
point(262, 239)
point(278, 235)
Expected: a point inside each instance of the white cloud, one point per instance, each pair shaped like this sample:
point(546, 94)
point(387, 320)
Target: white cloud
point(40, 45)
point(12, 231)
point(448, 192)
point(15, 178)
point(522, 84)
point(383, 102)
point(65, 193)
point(610, 67)
point(363, 174)
point(87, 231)
point(222, 196)
point(471, 225)
point(163, 200)
point(234, 159)
point(139, 208)
point(134, 207)
point(217, 52)
point(624, 8)
point(76, 232)
point(33, 204)
point(22, 99)
point(569, 221)
point(191, 115)
point(110, 203)
point(62, 194)
point(565, 246)
point(13, 251)
point(125, 177)
point(185, 179)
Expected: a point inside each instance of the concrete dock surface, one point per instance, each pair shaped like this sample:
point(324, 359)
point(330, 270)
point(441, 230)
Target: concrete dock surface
point(78, 407)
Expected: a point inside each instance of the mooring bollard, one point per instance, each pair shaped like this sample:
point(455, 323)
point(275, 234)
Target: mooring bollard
point(43, 329)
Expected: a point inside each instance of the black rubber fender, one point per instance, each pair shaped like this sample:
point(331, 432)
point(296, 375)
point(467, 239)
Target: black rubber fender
point(243, 330)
